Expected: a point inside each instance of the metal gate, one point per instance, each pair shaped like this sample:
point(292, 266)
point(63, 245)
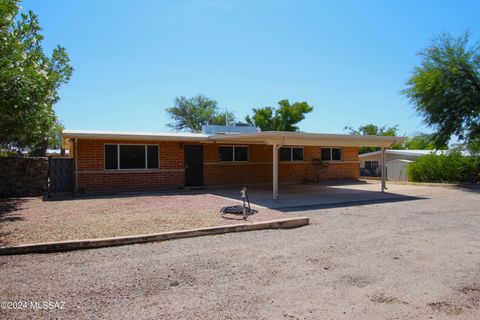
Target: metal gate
point(60, 175)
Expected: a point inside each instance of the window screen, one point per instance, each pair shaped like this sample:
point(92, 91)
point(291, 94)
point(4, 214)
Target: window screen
point(129, 156)
point(326, 155)
point(291, 154)
point(132, 156)
point(336, 154)
point(111, 156)
point(371, 164)
point(152, 157)
point(285, 154)
point(297, 154)
point(240, 153)
point(232, 153)
point(225, 153)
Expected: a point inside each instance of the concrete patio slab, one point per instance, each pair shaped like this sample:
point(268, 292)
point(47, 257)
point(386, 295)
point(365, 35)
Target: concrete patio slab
point(323, 195)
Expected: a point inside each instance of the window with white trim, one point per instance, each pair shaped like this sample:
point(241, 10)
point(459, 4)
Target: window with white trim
point(290, 153)
point(232, 153)
point(371, 164)
point(331, 154)
point(131, 156)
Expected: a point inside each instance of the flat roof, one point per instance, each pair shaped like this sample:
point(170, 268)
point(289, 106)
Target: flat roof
point(265, 137)
point(399, 152)
point(305, 138)
point(411, 152)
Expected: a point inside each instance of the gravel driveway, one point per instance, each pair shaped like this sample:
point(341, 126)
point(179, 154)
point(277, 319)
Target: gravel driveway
point(32, 220)
point(416, 259)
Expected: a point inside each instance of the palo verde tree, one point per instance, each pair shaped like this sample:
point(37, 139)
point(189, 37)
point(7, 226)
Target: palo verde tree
point(283, 118)
point(192, 113)
point(29, 79)
point(445, 88)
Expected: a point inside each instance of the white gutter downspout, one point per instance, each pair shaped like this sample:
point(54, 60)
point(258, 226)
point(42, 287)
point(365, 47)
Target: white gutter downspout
point(275, 171)
point(383, 170)
point(76, 166)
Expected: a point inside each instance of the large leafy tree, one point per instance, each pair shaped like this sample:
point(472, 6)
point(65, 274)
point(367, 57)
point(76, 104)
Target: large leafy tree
point(29, 79)
point(283, 118)
point(373, 130)
point(420, 141)
point(445, 88)
point(192, 113)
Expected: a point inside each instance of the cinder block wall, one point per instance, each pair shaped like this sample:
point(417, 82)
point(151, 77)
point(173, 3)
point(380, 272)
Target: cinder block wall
point(23, 176)
point(93, 178)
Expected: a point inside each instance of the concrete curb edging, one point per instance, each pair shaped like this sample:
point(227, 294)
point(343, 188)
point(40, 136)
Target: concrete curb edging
point(119, 241)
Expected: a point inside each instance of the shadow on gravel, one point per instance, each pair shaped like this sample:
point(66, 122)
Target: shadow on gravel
point(349, 203)
point(120, 194)
point(8, 208)
point(474, 188)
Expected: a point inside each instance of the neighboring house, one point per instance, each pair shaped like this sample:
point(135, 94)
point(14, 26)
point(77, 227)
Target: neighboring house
point(130, 161)
point(396, 162)
point(49, 152)
point(57, 153)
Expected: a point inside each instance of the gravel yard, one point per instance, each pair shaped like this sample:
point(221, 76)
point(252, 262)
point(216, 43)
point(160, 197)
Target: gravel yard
point(417, 259)
point(32, 220)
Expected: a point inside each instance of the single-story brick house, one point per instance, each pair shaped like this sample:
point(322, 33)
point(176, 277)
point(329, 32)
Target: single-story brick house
point(133, 161)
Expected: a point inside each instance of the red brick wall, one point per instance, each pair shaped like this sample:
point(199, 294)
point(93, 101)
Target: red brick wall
point(259, 167)
point(93, 178)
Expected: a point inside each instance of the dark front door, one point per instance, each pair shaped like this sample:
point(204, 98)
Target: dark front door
point(193, 165)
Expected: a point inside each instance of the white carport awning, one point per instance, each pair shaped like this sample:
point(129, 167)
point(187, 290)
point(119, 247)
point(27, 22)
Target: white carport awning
point(307, 139)
point(281, 138)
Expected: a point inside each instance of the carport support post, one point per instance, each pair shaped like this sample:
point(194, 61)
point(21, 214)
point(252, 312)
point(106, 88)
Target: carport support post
point(75, 147)
point(383, 169)
point(275, 171)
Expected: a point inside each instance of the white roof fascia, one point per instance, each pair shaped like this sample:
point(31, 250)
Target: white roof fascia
point(417, 153)
point(123, 135)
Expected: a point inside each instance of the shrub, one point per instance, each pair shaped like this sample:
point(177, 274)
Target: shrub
point(444, 168)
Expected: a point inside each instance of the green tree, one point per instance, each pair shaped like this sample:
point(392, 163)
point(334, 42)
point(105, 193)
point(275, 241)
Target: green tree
point(29, 80)
point(53, 141)
point(373, 130)
point(283, 118)
point(445, 88)
point(420, 141)
point(474, 147)
point(192, 113)
point(219, 119)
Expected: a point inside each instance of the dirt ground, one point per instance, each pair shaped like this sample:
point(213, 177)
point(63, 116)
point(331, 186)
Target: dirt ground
point(32, 220)
point(414, 259)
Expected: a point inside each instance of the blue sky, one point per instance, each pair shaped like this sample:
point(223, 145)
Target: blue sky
point(349, 59)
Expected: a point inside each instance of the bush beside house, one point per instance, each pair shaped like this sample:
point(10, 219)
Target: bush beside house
point(452, 167)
